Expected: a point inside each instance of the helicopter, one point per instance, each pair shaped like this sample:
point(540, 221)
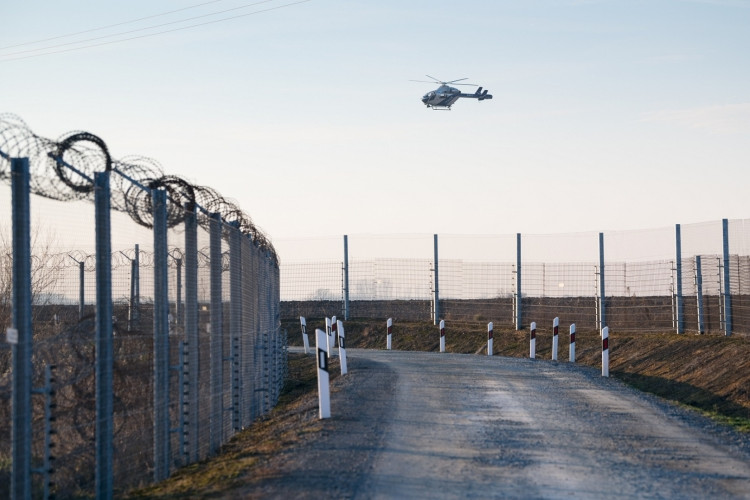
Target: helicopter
point(444, 96)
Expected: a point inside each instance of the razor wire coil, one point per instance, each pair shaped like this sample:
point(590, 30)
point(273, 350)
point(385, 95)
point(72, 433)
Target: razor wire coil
point(64, 169)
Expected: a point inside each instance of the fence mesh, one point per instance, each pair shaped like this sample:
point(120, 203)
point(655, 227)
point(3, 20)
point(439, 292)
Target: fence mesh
point(225, 352)
point(477, 278)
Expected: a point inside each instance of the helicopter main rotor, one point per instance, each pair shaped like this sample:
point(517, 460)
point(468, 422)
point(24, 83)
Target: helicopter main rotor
point(441, 82)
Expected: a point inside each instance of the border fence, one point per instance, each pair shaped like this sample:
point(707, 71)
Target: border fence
point(690, 278)
point(140, 339)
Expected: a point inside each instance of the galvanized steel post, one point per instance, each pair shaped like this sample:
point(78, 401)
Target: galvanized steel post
point(81, 290)
point(699, 293)
point(161, 336)
point(602, 295)
point(104, 343)
point(216, 347)
point(137, 280)
point(727, 289)
point(20, 337)
point(436, 297)
point(190, 391)
point(178, 293)
point(235, 320)
point(519, 324)
point(346, 277)
point(680, 305)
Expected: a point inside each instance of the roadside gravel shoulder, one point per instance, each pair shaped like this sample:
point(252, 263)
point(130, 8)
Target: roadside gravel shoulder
point(333, 462)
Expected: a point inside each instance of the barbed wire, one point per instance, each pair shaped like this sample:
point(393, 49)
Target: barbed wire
point(119, 259)
point(64, 170)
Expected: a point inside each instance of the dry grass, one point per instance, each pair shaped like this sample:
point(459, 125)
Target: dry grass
point(245, 458)
point(708, 372)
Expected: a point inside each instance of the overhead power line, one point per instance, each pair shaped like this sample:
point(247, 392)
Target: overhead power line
point(108, 26)
point(154, 26)
point(43, 51)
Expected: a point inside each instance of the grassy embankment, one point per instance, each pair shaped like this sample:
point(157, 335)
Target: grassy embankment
point(710, 373)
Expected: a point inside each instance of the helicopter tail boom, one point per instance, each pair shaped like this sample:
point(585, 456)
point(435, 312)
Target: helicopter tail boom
point(479, 95)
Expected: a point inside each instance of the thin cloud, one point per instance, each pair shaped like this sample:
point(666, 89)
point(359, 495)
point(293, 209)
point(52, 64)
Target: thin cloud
point(725, 119)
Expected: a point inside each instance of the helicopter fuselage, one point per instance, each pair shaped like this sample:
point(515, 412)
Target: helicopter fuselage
point(444, 97)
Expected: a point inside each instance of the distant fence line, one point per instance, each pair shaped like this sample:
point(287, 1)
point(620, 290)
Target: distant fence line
point(704, 285)
point(124, 364)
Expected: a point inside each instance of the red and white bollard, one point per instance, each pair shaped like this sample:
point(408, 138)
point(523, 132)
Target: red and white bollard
point(490, 327)
point(305, 340)
point(324, 389)
point(532, 343)
point(572, 351)
point(389, 324)
point(605, 352)
point(555, 328)
point(442, 335)
point(342, 346)
point(328, 337)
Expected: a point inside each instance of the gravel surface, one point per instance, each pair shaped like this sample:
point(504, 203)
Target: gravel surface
point(430, 425)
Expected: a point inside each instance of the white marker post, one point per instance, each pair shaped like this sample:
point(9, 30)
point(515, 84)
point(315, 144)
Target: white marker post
point(328, 336)
point(489, 338)
point(572, 357)
point(342, 346)
point(334, 335)
point(389, 324)
point(442, 335)
point(555, 329)
point(305, 339)
point(324, 390)
point(532, 343)
point(605, 352)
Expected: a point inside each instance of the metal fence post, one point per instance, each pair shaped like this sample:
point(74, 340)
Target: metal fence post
point(178, 293)
point(257, 347)
point(104, 347)
point(519, 309)
point(81, 290)
point(216, 348)
point(235, 321)
point(131, 302)
point(602, 295)
point(21, 341)
point(678, 259)
point(161, 337)
point(436, 298)
point(191, 389)
point(137, 279)
point(727, 289)
point(247, 341)
point(346, 277)
point(135, 290)
point(699, 293)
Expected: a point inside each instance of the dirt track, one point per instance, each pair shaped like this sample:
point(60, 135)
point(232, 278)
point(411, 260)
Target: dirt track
point(429, 425)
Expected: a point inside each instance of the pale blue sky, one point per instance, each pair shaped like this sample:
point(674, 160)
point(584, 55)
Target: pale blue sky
point(607, 114)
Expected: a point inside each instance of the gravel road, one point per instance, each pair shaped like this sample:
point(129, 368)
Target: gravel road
point(430, 425)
